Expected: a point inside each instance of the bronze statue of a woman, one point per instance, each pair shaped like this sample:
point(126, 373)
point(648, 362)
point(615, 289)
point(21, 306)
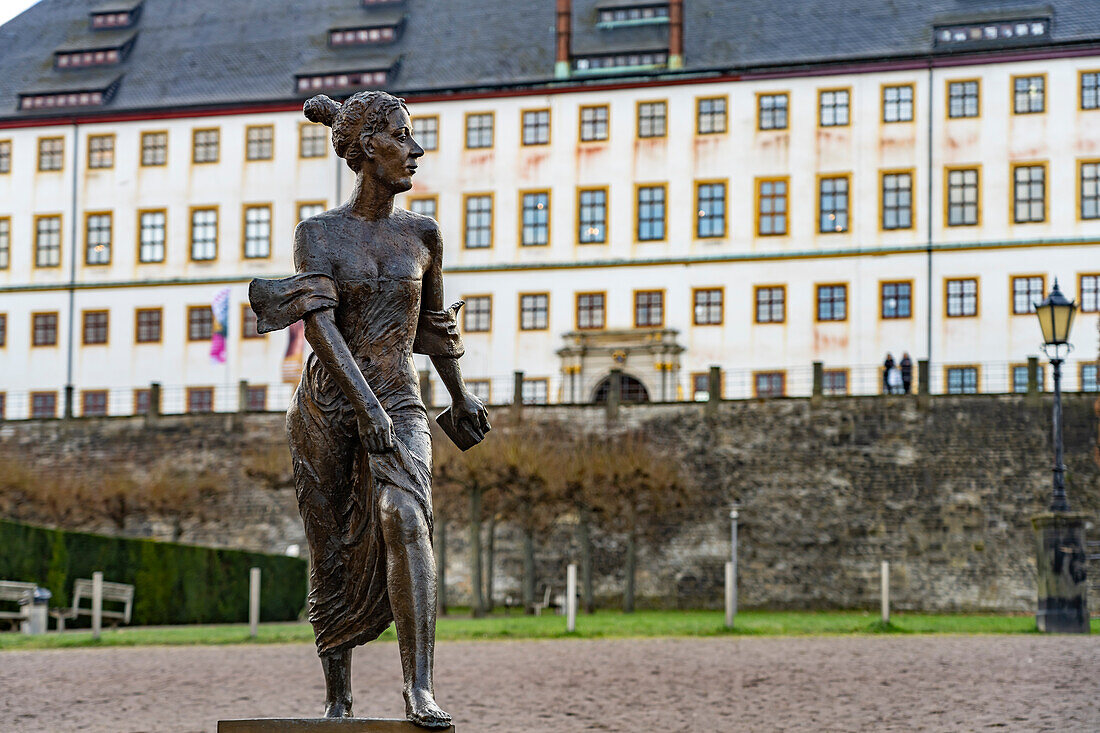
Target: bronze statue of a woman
point(370, 290)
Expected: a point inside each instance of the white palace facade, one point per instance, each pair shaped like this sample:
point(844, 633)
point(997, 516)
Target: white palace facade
point(607, 200)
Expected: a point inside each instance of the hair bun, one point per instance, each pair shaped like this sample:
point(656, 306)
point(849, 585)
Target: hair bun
point(321, 109)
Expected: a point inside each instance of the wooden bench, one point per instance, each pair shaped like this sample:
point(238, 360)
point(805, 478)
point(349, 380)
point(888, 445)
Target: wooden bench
point(12, 591)
point(112, 593)
point(548, 601)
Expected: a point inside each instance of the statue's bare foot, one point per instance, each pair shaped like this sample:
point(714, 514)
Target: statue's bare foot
point(421, 709)
point(338, 709)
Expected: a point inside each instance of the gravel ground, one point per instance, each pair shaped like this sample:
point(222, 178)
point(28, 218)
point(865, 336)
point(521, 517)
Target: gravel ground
point(925, 683)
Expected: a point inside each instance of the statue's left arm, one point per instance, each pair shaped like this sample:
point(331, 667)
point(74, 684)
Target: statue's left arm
point(433, 317)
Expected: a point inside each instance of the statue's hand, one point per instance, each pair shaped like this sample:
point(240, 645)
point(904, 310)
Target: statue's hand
point(376, 429)
point(471, 416)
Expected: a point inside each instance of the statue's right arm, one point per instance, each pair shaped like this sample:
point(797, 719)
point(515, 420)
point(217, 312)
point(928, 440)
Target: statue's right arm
point(375, 427)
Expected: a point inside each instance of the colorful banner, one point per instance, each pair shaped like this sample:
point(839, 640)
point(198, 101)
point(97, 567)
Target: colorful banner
point(220, 332)
point(292, 361)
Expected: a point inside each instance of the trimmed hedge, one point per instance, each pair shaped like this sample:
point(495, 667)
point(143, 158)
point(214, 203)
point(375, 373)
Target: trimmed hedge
point(173, 583)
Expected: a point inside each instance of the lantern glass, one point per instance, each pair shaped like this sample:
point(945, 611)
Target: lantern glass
point(1055, 317)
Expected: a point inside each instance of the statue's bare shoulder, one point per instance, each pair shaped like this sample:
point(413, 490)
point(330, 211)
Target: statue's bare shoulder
point(312, 243)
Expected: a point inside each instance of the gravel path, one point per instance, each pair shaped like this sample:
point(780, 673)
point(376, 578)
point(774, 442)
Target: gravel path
point(924, 683)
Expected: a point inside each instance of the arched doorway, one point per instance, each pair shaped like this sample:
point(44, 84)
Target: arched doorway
point(630, 390)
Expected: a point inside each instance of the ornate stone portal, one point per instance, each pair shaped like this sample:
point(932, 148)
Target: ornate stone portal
point(649, 359)
point(370, 291)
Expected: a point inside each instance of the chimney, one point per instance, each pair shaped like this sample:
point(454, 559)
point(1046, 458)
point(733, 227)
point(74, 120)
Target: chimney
point(676, 34)
point(562, 64)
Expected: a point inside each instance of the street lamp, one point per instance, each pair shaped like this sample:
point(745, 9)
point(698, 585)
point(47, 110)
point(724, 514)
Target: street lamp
point(1055, 319)
point(1059, 534)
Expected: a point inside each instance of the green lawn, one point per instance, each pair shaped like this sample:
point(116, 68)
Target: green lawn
point(607, 624)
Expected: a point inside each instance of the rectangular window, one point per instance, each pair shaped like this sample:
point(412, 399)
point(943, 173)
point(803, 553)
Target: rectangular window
point(101, 151)
point(963, 99)
point(832, 302)
point(479, 130)
point(536, 127)
point(534, 312)
point(200, 323)
point(200, 399)
point(44, 329)
point(256, 398)
point(962, 297)
point(480, 388)
point(962, 380)
point(1029, 193)
point(592, 216)
point(652, 119)
point(536, 218)
point(205, 146)
point(962, 197)
point(897, 103)
point(832, 204)
point(769, 384)
point(594, 123)
point(1028, 94)
point(260, 142)
point(204, 234)
point(424, 206)
point(97, 238)
point(535, 391)
point(257, 231)
point(95, 328)
point(834, 382)
point(700, 386)
point(51, 153)
point(590, 311)
point(897, 201)
point(152, 224)
point(771, 207)
point(5, 243)
point(426, 132)
point(3, 330)
point(771, 304)
point(249, 326)
point(1090, 190)
point(1026, 292)
point(651, 213)
point(43, 404)
point(772, 111)
point(1090, 90)
point(154, 148)
point(707, 307)
point(897, 300)
point(147, 325)
point(312, 140)
point(1019, 378)
point(649, 308)
point(5, 156)
point(1089, 293)
point(309, 210)
point(477, 316)
point(47, 241)
point(833, 109)
point(479, 222)
point(142, 399)
point(1090, 381)
point(710, 115)
point(710, 210)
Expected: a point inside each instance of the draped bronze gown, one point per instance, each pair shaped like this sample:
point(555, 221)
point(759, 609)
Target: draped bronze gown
point(337, 481)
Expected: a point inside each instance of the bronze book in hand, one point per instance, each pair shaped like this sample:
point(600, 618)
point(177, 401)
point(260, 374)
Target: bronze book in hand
point(460, 431)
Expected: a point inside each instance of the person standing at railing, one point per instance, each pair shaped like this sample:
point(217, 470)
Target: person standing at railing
point(906, 372)
point(887, 367)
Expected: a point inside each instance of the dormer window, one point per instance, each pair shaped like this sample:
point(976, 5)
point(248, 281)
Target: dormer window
point(62, 93)
point(111, 20)
point(375, 3)
point(87, 58)
point(633, 14)
point(115, 14)
point(631, 60)
point(970, 34)
point(104, 53)
point(363, 36)
point(343, 80)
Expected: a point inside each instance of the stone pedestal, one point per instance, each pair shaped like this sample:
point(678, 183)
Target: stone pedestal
point(322, 725)
point(1060, 562)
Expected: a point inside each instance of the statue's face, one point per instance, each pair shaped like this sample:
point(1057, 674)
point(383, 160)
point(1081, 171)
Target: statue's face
point(393, 152)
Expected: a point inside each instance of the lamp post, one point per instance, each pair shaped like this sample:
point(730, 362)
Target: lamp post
point(1059, 534)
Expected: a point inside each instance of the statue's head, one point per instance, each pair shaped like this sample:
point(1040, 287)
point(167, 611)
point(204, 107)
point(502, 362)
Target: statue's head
point(372, 132)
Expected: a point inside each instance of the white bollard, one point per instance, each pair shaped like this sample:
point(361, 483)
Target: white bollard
point(254, 602)
point(571, 598)
point(885, 592)
point(731, 595)
point(97, 603)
